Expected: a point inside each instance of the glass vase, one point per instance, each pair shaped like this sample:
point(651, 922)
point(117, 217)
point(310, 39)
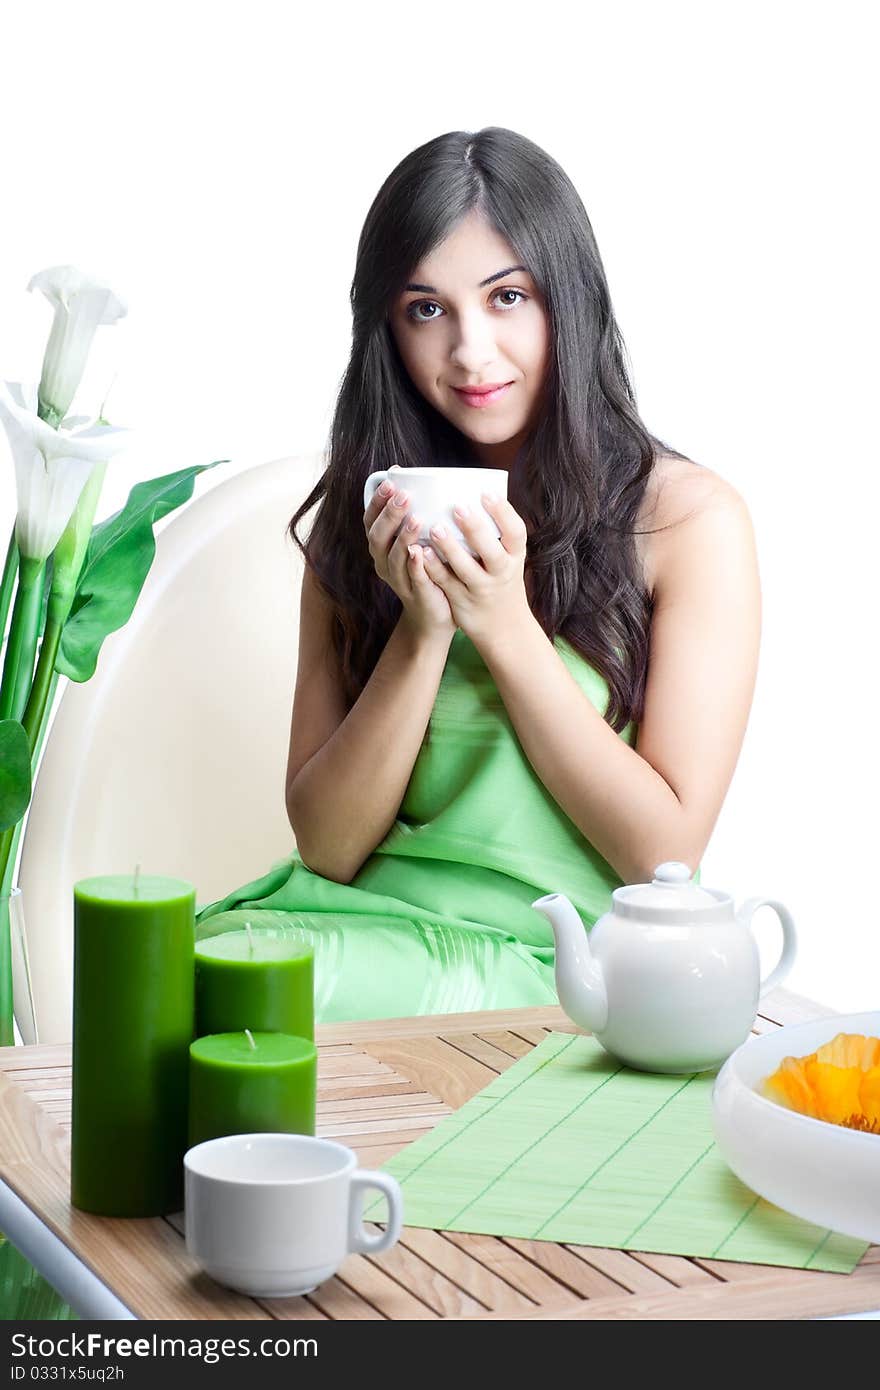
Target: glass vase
point(12, 925)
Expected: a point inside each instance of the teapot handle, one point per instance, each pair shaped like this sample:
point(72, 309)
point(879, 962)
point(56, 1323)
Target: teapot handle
point(789, 938)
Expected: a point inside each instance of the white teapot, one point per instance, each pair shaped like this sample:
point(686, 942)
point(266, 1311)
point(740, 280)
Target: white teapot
point(668, 980)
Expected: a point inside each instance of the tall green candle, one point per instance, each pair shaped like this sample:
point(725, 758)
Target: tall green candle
point(133, 1016)
point(250, 1083)
point(257, 978)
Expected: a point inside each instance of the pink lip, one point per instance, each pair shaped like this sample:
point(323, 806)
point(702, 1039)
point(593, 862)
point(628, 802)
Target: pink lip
point(483, 396)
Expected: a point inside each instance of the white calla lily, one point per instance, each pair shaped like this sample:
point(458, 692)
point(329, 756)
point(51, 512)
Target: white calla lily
point(51, 466)
point(81, 304)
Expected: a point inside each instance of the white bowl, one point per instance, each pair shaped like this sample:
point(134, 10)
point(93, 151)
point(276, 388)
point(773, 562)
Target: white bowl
point(821, 1172)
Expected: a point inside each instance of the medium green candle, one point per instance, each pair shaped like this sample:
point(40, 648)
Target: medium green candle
point(133, 1015)
point(257, 978)
point(248, 1083)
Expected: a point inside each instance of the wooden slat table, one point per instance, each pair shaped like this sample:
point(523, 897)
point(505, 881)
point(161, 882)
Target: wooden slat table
point(380, 1085)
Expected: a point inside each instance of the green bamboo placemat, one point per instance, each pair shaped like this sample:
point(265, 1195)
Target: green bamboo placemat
point(568, 1145)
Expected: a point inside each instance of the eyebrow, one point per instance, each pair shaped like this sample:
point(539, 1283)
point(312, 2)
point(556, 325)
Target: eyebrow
point(499, 275)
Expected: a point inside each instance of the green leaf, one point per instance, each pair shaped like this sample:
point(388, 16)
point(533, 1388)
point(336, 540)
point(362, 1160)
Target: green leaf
point(117, 562)
point(15, 772)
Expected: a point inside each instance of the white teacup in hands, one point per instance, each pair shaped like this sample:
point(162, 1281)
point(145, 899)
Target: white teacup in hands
point(435, 491)
point(274, 1215)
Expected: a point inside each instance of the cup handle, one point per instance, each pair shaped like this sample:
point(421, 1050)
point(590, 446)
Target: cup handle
point(375, 480)
point(789, 938)
point(360, 1242)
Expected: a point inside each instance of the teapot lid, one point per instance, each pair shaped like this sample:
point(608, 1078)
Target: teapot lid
point(669, 896)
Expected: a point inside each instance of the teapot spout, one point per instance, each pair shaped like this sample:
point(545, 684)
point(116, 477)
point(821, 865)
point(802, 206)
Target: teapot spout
point(579, 980)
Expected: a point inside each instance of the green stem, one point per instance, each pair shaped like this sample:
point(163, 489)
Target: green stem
point(36, 707)
point(10, 570)
point(6, 840)
point(21, 649)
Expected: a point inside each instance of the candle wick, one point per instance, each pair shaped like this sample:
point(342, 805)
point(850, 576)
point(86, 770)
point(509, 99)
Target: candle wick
point(137, 870)
point(250, 937)
point(250, 1038)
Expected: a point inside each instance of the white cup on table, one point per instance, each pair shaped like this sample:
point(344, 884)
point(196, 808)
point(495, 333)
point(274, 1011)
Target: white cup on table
point(435, 491)
point(274, 1215)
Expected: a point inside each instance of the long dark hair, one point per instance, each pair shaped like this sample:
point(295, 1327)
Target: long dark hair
point(578, 482)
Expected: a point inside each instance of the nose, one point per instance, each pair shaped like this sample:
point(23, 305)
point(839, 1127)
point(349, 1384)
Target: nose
point(473, 348)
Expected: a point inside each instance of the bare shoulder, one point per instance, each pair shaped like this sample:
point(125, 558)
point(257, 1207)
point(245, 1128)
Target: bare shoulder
point(682, 500)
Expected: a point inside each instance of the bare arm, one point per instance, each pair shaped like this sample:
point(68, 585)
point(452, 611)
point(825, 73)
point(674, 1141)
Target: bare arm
point(660, 800)
point(343, 797)
point(347, 772)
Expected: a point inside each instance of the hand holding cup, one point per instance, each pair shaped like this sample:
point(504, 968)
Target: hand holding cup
point(392, 529)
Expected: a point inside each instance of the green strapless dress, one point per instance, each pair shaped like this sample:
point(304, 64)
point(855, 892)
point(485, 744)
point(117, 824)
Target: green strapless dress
point(439, 918)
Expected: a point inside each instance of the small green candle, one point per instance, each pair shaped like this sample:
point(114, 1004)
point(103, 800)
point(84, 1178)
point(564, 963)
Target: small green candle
point(249, 1083)
point(257, 978)
point(133, 1010)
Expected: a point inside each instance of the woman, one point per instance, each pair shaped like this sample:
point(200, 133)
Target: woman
point(562, 712)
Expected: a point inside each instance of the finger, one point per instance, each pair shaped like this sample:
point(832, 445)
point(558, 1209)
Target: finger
point(467, 569)
point(442, 575)
point(407, 534)
point(416, 565)
point(478, 531)
point(418, 581)
point(514, 534)
point(398, 557)
point(389, 520)
point(377, 502)
point(433, 566)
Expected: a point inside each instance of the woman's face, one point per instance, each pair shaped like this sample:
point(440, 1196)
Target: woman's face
point(462, 323)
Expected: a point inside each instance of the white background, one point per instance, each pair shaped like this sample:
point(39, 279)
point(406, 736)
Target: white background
point(215, 163)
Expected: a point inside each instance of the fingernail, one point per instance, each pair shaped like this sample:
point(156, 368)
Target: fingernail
point(461, 510)
point(401, 499)
point(386, 489)
point(412, 551)
point(413, 524)
point(427, 553)
point(439, 532)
